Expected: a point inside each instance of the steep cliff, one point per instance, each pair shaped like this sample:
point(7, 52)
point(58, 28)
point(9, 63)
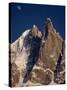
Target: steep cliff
point(50, 68)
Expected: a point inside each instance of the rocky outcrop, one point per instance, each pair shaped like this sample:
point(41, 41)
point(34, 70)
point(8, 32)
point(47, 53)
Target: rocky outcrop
point(15, 74)
point(38, 58)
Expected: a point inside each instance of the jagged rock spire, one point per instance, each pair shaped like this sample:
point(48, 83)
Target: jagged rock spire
point(49, 24)
point(34, 26)
point(35, 31)
point(48, 27)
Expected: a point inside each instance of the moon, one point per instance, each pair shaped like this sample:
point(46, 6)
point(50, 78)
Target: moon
point(19, 7)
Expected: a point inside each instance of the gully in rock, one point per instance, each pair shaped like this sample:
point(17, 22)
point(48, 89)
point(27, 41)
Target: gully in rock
point(33, 57)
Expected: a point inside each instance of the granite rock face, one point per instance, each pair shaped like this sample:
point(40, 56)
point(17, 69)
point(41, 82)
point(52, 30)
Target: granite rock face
point(38, 58)
point(51, 58)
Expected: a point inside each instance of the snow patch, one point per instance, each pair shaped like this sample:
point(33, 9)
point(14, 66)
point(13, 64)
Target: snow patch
point(26, 33)
point(34, 26)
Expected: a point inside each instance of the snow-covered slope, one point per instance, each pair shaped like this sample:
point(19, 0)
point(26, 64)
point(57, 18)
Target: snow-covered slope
point(18, 44)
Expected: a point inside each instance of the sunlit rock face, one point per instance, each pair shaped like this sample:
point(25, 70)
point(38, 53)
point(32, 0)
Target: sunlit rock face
point(51, 56)
point(18, 57)
point(38, 58)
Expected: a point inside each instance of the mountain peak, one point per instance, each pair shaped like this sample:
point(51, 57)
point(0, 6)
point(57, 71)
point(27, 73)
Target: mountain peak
point(34, 26)
point(49, 24)
point(34, 30)
point(48, 19)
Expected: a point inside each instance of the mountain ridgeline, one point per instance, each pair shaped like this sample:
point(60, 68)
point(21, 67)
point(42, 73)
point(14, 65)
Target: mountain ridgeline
point(37, 58)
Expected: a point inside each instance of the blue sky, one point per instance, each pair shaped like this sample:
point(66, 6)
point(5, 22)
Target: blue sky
point(24, 16)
